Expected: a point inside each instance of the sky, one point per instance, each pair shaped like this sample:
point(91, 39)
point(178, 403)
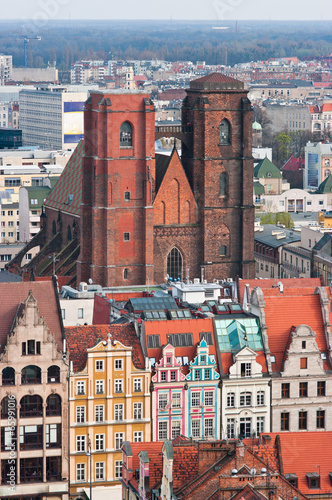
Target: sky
point(218, 10)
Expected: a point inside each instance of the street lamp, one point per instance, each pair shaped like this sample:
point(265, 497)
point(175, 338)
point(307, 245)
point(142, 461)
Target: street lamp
point(89, 454)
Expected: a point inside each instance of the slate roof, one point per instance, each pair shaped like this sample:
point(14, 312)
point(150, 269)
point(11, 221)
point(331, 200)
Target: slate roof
point(81, 338)
point(162, 162)
point(12, 295)
point(325, 186)
point(69, 183)
point(264, 167)
point(268, 238)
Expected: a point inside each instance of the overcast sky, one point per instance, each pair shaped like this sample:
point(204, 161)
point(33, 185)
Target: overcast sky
point(176, 9)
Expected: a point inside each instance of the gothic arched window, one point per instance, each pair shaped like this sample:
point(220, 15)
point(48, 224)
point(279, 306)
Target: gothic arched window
point(174, 264)
point(125, 135)
point(224, 132)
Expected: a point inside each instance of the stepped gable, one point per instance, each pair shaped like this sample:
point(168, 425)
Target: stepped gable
point(12, 298)
point(68, 185)
point(81, 338)
point(284, 312)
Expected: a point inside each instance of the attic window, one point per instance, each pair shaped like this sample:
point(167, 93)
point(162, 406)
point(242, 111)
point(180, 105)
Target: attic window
point(272, 358)
point(207, 336)
point(153, 341)
point(269, 174)
point(313, 480)
point(292, 479)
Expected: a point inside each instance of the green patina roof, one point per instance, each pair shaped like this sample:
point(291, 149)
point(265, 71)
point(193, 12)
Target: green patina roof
point(258, 188)
point(266, 167)
point(256, 126)
point(39, 193)
point(67, 192)
point(325, 186)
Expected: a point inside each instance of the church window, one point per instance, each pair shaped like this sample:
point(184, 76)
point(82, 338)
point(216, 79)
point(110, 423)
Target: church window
point(222, 184)
point(125, 135)
point(126, 274)
point(224, 132)
point(174, 264)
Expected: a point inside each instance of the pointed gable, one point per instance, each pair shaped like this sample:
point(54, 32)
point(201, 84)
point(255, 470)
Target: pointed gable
point(174, 202)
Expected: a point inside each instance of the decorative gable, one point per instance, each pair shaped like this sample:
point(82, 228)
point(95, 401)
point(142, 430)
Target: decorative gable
point(204, 363)
point(167, 364)
point(303, 356)
point(245, 365)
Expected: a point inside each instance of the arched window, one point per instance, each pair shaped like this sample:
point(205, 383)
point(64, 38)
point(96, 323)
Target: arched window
point(125, 135)
point(31, 375)
point(222, 184)
point(174, 264)
point(53, 374)
point(31, 406)
point(53, 407)
point(54, 227)
point(69, 238)
point(126, 274)
point(7, 404)
point(8, 376)
point(224, 132)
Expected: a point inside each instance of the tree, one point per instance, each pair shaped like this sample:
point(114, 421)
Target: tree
point(283, 218)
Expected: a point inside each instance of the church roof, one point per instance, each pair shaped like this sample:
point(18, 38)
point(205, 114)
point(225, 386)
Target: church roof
point(162, 162)
point(265, 169)
point(325, 186)
point(216, 81)
point(67, 193)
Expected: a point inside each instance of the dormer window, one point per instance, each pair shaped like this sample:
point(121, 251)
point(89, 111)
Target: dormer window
point(313, 479)
point(245, 369)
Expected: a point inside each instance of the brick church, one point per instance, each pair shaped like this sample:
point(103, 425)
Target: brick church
point(145, 216)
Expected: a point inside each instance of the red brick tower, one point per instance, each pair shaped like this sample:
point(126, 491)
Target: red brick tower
point(219, 166)
point(117, 189)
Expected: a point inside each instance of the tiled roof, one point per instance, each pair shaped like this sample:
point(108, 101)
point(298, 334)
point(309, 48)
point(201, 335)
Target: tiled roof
point(227, 361)
point(163, 328)
point(269, 283)
point(284, 312)
point(81, 338)
point(12, 294)
point(266, 167)
point(307, 452)
point(69, 183)
point(248, 493)
point(294, 164)
point(162, 162)
point(216, 78)
point(155, 460)
point(185, 462)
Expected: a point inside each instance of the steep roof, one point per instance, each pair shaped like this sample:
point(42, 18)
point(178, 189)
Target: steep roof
point(66, 194)
point(155, 456)
point(185, 461)
point(294, 164)
point(13, 295)
point(325, 186)
point(39, 193)
point(273, 284)
point(285, 311)
point(266, 169)
point(162, 162)
point(81, 338)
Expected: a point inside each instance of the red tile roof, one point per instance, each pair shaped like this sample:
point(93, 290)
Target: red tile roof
point(227, 361)
point(305, 452)
point(284, 312)
point(163, 328)
point(155, 460)
point(81, 338)
point(185, 461)
point(12, 294)
point(293, 164)
point(269, 283)
point(216, 78)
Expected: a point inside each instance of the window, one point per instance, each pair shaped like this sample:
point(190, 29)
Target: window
point(53, 374)
point(207, 374)
point(10, 223)
point(222, 184)
point(303, 389)
point(230, 400)
point(31, 437)
point(195, 399)
point(118, 469)
point(8, 438)
point(118, 365)
point(137, 384)
point(260, 424)
point(99, 442)
point(126, 236)
point(80, 314)
point(127, 195)
point(303, 341)
point(245, 399)
point(137, 411)
point(321, 388)
point(176, 428)
point(245, 427)
point(208, 427)
point(118, 412)
point(303, 363)
point(195, 428)
point(8, 376)
point(224, 132)
point(163, 376)
point(302, 420)
point(31, 375)
point(80, 414)
point(163, 398)
point(260, 398)
point(100, 470)
point(153, 341)
point(63, 313)
point(223, 250)
point(118, 384)
point(162, 431)
point(126, 274)
point(176, 400)
point(320, 419)
point(138, 437)
point(284, 421)
point(313, 480)
point(174, 264)
point(125, 135)
point(99, 413)
point(285, 390)
point(208, 398)
point(180, 339)
point(173, 376)
point(80, 443)
point(119, 438)
point(80, 387)
point(99, 387)
point(245, 369)
point(99, 365)
point(80, 472)
point(53, 405)
point(197, 374)
point(230, 428)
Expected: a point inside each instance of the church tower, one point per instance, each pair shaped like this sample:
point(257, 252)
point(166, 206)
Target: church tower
point(117, 189)
point(219, 166)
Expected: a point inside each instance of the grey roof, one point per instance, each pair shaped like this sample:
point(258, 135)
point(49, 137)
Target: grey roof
point(287, 236)
point(7, 277)
point(169, 449)
point(151, 303)
point(127, 448)
point(144, 456)
point(322, 242)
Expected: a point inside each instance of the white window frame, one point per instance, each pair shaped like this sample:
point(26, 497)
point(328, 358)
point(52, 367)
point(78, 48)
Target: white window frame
point(138, 437)
point(196, 428)
point(162, 400)
point(100, 442)
point(99, 413)
point(118, 364)
point(162, 430)
point(231, 428)
point(118, 412)
point(176, 400)
point(137, 411)
point(137, 384)
point(118, 469)
point(100, 386)
point(245, 398)
point(260, 425)
point(260, 398)
point(208, 398)
point(118, 385)
point(118, 440)
point(230, 400)
point(99, 365)
point(176, 428)
point(100, 471)
point(80, 414)
point(80, 443)
point(80, 473)
point(208, 427)
point(80, 313)
point(80, 388)
point(195, 399)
